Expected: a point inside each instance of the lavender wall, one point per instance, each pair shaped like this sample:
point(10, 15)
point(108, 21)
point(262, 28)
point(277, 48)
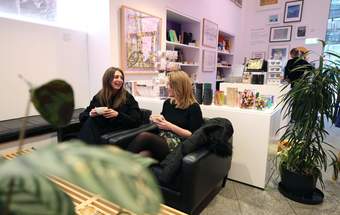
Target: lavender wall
point(223, 12)
point(255, 28)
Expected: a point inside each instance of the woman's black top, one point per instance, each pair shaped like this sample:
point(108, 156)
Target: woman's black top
point(297, 73)
point(189, 118)
point(129, 114)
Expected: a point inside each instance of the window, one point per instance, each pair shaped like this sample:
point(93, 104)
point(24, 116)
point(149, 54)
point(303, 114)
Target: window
point(42, 9)
point(63, 13)
point(333, 28)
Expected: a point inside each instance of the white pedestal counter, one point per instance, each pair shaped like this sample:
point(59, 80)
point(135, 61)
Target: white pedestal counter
point(254, 139)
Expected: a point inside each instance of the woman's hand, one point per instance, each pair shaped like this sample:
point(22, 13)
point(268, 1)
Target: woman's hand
point(164, 124)
point(110, 113)
point(93, 113)
point(156, 118)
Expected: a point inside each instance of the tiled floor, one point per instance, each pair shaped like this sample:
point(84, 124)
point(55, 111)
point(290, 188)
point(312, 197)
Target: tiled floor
point(241, 199)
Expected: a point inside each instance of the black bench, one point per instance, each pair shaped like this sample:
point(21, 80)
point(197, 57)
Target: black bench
point(36, 125)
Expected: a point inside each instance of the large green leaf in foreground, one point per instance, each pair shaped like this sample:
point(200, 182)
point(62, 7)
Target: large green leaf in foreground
point(54, 101)
point(118, 176)
point(31, 194)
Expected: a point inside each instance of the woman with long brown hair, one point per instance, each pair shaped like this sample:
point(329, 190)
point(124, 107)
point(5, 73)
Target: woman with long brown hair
point(112, 108)
point(180, 117)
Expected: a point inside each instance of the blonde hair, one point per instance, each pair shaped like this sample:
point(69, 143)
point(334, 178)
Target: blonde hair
point(106, 93)
point(181, 85)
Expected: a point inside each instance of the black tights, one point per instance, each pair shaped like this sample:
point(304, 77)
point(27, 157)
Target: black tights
point(150, 142)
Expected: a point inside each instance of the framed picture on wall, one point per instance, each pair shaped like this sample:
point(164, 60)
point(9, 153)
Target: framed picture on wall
point(237, 2)
point(301, 32)
point(278, 52)
point(140, 40)
point(267, 4)
point(258, 54)
point(280, 34)
point(273, 19)
point(210, 32)
point(293, 11)
point(209, 61)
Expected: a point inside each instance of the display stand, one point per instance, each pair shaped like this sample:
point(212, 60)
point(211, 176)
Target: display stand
point(224, 56)
point(183, 36)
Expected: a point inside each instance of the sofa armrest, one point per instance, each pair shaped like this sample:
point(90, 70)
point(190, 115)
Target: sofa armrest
point(202, 171)
point(124, 137)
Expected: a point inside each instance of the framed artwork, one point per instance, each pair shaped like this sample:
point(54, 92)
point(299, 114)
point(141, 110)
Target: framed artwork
point(273, 19)
point(237, 2)
point(209, 61)
point(301, 32)
point(259, 54)
point(279, 52)
point(293, 11)
point(268, 2)
point(210, 33)
point(280, 34)
point(140, 40)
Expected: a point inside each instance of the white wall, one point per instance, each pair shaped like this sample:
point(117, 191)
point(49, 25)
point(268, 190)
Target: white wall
point(40, 53)
point(225, 13)
point(314, 16)
point(99, 42)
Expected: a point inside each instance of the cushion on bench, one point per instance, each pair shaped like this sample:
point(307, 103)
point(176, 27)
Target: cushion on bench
point(10, 129)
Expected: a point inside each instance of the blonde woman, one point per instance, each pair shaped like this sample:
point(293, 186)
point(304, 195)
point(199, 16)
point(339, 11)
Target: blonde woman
point(180, 117)
point(112, 108)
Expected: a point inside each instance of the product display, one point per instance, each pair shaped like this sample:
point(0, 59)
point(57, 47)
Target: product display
point(198, 92)
point(275, 73)
point(232, 97)
point(219, 98)
point(207, 94)
point(247, 99)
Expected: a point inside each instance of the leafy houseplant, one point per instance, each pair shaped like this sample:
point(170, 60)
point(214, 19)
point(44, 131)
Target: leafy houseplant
point(116, 175)
point(310, 103)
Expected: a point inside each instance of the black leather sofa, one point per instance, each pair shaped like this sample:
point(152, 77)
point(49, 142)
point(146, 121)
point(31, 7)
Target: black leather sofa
point(200, 176)
point(201, 173)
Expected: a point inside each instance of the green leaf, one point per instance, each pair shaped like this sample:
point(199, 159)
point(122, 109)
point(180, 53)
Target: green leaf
point(116, 175)
point(54, 101)
point(32, 194)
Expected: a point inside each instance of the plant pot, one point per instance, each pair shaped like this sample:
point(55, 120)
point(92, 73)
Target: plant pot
point(297, 183)
point(299, 188)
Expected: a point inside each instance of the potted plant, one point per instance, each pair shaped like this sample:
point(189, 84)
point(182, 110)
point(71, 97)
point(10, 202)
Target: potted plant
point(309, 104)
point(118, 176)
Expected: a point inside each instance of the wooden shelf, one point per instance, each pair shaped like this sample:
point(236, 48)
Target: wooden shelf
point(224, 53)
point(181, 45)
point(225, 67)
point(186, 64)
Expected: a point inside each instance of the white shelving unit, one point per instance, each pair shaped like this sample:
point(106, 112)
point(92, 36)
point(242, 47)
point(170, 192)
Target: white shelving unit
point(224, 57)
point(190, 54)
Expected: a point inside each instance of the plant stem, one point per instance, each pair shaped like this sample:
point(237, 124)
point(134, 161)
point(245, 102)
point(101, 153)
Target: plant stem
point(23, 127)
point(9, 197)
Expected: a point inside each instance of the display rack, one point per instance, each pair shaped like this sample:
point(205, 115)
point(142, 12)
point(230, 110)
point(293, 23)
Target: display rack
point(224, 56)
point(184, 35)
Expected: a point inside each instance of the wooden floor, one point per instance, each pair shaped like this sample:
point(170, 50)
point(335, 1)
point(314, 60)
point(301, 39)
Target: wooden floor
point(87, 203)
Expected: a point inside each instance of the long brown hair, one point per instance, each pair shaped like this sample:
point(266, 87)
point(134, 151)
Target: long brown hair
point(106, 94)
point(181, 85)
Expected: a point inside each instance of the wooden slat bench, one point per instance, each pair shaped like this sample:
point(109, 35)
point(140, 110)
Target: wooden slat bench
point(86, 202)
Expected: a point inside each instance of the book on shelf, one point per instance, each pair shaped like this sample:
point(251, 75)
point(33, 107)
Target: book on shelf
point(173, 36)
